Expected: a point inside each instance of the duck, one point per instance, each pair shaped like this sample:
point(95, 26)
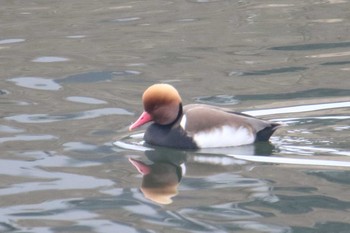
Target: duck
point(196, 126)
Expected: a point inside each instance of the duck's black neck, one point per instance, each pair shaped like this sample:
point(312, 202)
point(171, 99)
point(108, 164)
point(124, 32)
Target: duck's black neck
point(179, 115)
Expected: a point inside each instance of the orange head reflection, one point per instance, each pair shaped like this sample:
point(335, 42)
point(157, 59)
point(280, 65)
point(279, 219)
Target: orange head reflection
point(160, 180)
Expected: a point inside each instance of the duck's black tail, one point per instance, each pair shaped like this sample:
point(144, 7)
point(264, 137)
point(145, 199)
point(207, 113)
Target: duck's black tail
point(265, 134)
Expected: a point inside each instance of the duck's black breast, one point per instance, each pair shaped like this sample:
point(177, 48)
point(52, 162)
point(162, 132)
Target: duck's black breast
point(169, 136)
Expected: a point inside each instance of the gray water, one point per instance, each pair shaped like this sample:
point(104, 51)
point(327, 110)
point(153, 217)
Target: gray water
point(72, 75)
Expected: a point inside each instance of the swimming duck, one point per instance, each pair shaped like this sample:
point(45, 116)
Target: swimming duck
point(196, 126)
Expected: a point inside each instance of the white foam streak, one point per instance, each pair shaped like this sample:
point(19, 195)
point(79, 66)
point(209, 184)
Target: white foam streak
point(298, 109)
point(293, 161)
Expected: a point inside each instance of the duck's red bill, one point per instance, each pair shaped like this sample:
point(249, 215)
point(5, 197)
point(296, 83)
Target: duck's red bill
point(143, 168)
point(143, 119)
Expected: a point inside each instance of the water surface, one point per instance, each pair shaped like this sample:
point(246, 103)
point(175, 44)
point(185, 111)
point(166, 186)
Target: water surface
point(72, 75)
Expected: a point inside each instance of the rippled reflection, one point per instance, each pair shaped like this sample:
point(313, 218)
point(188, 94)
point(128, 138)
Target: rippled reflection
point(161, 177)
point(159, 181)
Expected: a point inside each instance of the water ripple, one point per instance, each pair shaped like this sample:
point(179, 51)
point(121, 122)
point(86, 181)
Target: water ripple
point(89, 114)
point(49, 180)
point(3, 92)
point(60, 210)
point(63, 181)
point(9, 129)
point(92, 77)
point(36, 83)
point(125, 20)
point(311, 93)
point(85, 100)
point(268, 72)
point(79, 146)
point(28, 138)
point(303, 204)
point(329, 226)
point(316, 46)
point(11, 41)
point(228, 216)
point(49, 59)
point(341, 177)
point(76, 36)
point(217, 100)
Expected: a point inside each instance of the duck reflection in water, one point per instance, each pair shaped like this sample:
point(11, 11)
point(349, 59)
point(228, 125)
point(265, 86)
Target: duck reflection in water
point(162, 174)
point(161, 177)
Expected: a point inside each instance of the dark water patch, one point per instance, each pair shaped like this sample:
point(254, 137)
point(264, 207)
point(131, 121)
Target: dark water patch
point(125, 21)
point(3, 92)
point(217, 100)
point(227, 212)
point(336, 63)
point(229, 217)
point(302, 204)
point(221, 181)
point(98, 225)
point(324, 227)
point(341, 177)
point(206, 49)
point(268, 72)
point(135, 204)
point(39, 213)
point(296, 189)
point(307, 47)
point(170, 58)
point(73, 228)
point(106, 203)
point(313, 93)
point(5, 227)
point(92, 77)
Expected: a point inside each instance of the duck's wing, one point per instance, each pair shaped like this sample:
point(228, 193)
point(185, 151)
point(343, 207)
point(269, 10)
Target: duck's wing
point(208, 120)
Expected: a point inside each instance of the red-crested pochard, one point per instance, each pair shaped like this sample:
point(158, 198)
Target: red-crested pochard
point(196, 126)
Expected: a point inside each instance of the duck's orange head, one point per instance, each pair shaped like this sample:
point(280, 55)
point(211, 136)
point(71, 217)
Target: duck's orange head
point(161, 103)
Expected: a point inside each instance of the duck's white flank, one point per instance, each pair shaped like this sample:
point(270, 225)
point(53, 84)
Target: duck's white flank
point(224, 136)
